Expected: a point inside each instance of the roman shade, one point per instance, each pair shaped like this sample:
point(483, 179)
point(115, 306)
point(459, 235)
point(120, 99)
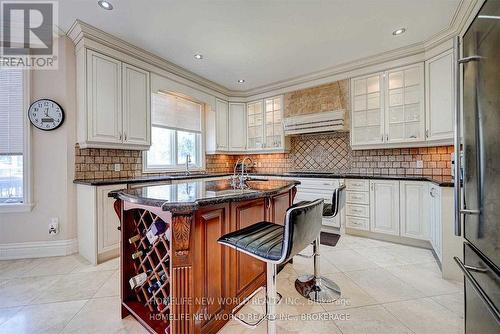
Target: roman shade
point(175, 112)
point(11, 112)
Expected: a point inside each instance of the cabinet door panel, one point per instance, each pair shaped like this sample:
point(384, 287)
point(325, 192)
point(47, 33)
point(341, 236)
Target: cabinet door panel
point(136, 106)
point(108, 236)
point(237, 126)
point(414, 198)
point(249, 269)
point(221, 124)
point(384, 207)
point(368, 109)
point(104, 98)
point(212, 261)
point(440, 97)
point(404, 121)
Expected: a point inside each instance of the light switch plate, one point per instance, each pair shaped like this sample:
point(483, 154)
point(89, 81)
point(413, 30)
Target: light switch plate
point(118, 167)
point(420, 164)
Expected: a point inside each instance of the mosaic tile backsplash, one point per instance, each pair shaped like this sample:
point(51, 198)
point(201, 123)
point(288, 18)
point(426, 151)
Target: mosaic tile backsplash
point(317, 152)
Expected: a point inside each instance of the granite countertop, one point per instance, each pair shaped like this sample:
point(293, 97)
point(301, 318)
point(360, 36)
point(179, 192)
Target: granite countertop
point(190, 195)
point(442, 181)
point(147, 179)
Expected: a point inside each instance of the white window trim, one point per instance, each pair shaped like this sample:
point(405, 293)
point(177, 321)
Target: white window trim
point(27, 204)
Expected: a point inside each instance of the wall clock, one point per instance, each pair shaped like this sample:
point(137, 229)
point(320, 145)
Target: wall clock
point(46, 114)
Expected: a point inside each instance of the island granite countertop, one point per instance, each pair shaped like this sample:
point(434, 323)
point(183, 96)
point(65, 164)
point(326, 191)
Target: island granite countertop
point(192, 194)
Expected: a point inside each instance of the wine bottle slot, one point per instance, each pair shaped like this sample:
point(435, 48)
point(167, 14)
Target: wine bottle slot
point(135, 238)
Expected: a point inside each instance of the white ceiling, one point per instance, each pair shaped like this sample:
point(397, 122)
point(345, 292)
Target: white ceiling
point(263, 41)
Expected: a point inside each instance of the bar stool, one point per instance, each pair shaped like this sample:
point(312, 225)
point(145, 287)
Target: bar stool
point(316, 287)
point(276, 244)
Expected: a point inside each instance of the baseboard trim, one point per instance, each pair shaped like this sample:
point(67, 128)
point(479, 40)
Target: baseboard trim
point(26, 250)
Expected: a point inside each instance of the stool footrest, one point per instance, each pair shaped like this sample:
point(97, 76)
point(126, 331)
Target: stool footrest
point(251, 325)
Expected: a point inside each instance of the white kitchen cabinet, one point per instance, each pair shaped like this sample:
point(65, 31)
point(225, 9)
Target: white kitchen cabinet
point(265, 126)
point(255, 125)
point(136, 105)
point(221, 125)
point(114, 103)
point(367, 110)
point(311, 189)
point(414, 201)
point(435, 224)
point(440, 98)
point(97, 223)
point(384, 206)
point(404, 112)
point(237, 126)
point(104, 98)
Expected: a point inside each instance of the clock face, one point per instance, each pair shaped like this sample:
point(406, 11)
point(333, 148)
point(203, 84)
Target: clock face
point(46, 114)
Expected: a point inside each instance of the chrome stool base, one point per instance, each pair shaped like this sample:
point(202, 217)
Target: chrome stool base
point(317, 289)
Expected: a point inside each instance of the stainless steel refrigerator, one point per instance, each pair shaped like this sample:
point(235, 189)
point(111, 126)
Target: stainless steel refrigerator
point(477, 197)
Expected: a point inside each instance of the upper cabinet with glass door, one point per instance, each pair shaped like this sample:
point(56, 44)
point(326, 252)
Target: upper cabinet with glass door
point(255, 126)
point(274, 125)
point(405, 105)
point(265, 125)
point(388, 108)
point(367, 110)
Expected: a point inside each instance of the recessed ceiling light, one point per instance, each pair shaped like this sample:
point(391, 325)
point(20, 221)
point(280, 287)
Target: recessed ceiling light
point(399, 31)
point(198, 56)
point(105, 5)
point(240, 81)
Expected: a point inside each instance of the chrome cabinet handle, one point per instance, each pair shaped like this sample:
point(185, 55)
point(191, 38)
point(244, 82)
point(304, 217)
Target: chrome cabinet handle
point(427, 133)
point(468, 59)
point(386, 137)
point(121, 136)
point(125, 136)
point(382, 138)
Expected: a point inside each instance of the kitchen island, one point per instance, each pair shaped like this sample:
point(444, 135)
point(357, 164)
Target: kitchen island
point(180, 280)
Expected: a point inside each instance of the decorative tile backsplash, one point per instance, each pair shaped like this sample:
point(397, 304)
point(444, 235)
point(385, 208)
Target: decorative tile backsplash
point(328, 152)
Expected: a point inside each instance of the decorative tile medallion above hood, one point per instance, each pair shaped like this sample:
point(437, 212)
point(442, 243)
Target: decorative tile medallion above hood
point(322, 108)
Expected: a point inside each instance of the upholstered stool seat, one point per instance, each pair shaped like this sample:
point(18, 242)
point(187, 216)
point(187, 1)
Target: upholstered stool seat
point(263, 240)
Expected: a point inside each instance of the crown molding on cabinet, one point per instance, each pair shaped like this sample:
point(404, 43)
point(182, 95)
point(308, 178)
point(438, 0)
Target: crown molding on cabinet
point(465, 12)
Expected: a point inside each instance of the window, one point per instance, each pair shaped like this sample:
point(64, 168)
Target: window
point(175, 134)
point(14, 150)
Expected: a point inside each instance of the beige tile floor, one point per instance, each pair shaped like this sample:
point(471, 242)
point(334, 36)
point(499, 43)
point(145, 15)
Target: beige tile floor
point(386, 288)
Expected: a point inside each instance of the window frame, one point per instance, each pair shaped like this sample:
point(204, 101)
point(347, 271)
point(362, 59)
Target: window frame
point(200, 146)
point(27, 203)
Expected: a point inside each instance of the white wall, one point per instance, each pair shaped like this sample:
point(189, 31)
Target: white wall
point(52, 160)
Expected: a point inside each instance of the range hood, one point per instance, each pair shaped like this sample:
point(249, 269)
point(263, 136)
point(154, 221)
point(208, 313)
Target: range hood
point(317, 122)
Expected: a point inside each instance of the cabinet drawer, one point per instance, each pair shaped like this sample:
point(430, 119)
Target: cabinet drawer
point(357, 185)
point(358, 197)
point(357, 210)
point(358, 223)
point(320, 184)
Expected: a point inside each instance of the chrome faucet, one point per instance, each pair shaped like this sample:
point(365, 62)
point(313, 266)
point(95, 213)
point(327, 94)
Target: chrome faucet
point(188, 160)
point(242, 177)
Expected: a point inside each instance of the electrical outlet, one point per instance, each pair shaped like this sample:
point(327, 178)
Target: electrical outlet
point(54, 225)
point(118, 167)
point(420, 164)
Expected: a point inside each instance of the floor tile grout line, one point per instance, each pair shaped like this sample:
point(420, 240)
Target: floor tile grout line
point(73, 317)
point(397, 319)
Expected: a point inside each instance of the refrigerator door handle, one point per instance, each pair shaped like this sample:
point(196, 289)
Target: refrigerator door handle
point(470, 212)
point(457, 135)
point(491, 307)
point(468, 59)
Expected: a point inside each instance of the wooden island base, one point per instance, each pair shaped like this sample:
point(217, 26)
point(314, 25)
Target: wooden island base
point(205, 280)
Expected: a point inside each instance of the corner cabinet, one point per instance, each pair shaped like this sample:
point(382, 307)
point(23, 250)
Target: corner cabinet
point(265, 125)
point(114, 102)
point(237, 127)
point(414, 200)
point(221, 125)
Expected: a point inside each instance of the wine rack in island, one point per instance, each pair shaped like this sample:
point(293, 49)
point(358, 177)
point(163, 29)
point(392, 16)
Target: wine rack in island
point(146, 266)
